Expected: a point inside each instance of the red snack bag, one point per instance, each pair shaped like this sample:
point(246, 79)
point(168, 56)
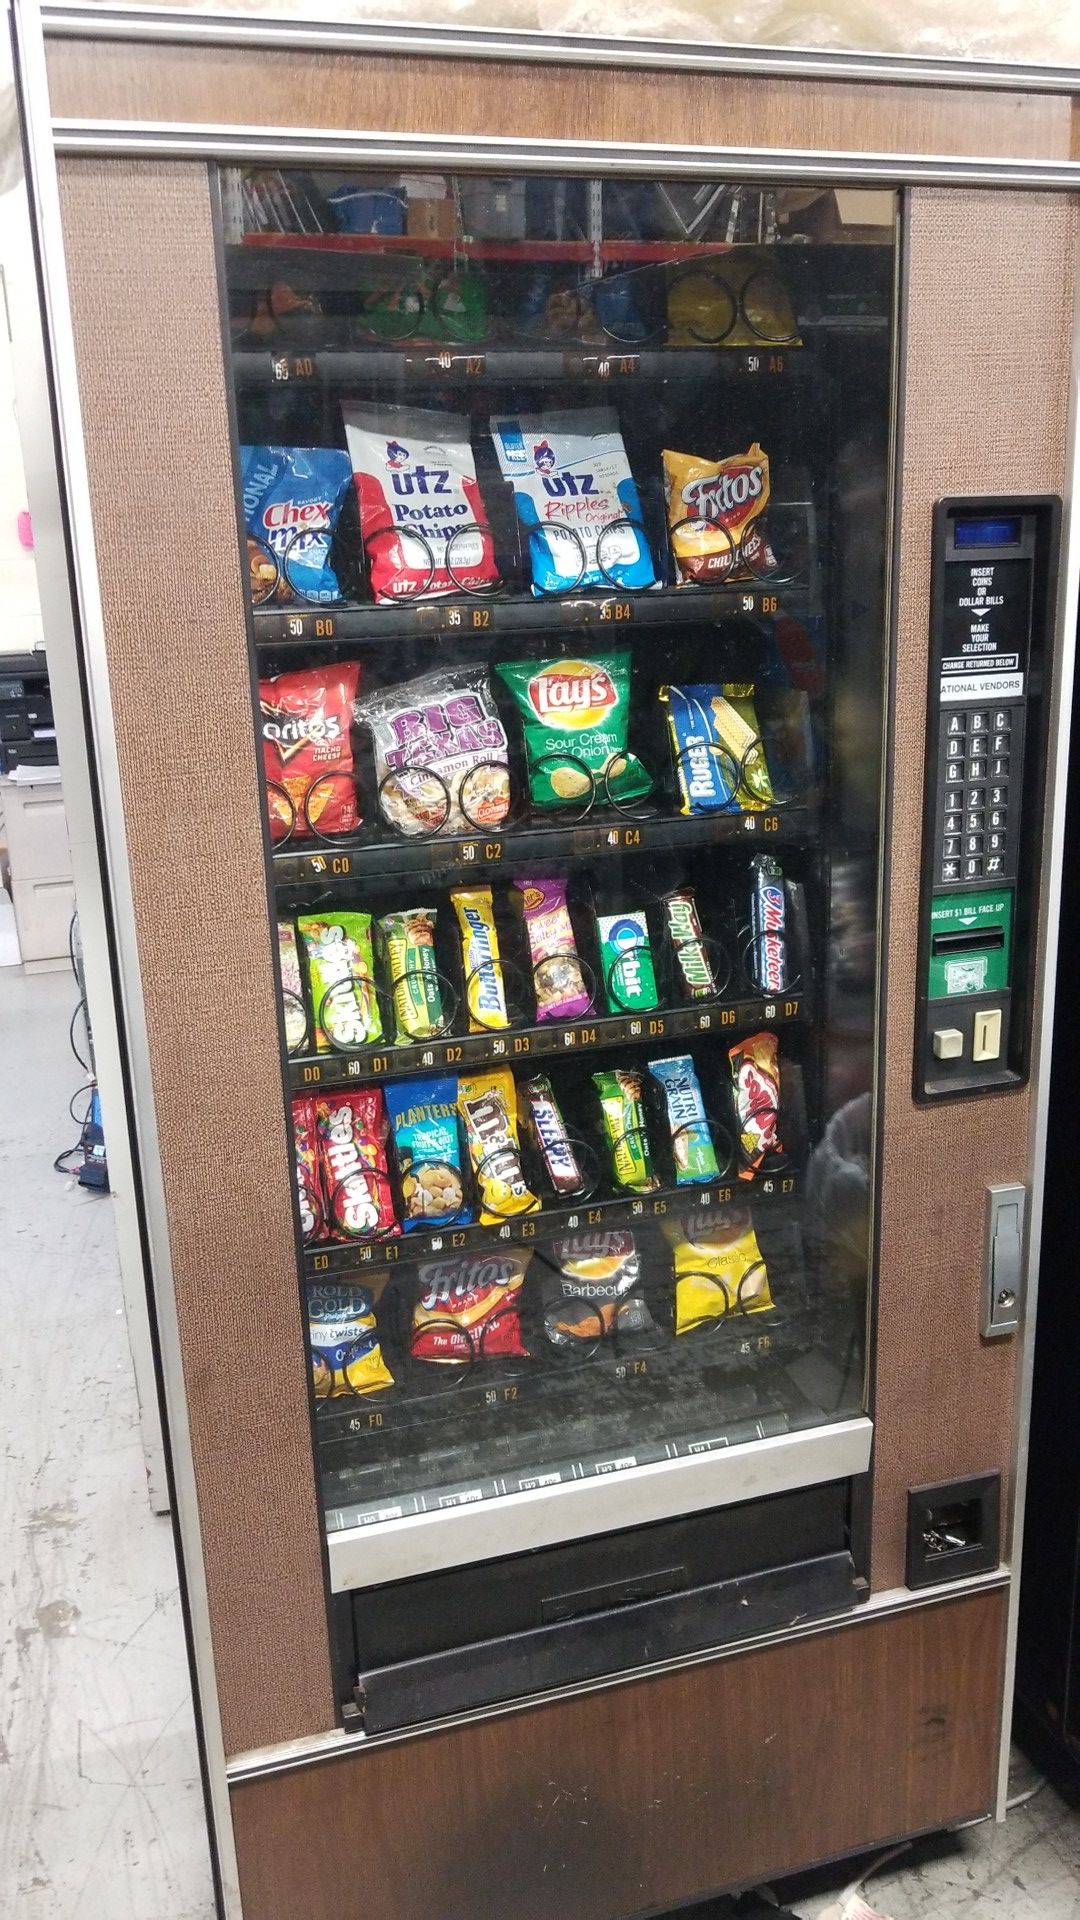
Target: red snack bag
point(352, 1129)
point(309, 1184)
point(469, 1309)
point(307, 750)
point(755, 1071)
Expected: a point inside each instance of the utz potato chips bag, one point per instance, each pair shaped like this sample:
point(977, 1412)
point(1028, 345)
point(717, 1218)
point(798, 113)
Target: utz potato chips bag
point(346, 1356)
point(488, 1106)
point(576, 715)
point(341, 974)
point(714, 509)
point(427, 1144)
point(718, 1267)
point(422, 517)
point(469, 1308)
point(292, 498)
point(576, 499)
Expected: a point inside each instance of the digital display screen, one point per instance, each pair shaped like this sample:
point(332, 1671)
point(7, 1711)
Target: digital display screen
point(987, 533)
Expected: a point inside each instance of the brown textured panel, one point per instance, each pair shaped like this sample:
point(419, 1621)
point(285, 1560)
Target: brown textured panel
point(635, 1798)
point(144, 296)
point(990, 314)
point(226, 85)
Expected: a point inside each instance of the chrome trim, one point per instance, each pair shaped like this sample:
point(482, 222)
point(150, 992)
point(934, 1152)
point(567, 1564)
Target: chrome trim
point(464, 1535)
point(159, 24)
point(261, 1762)
point(82, 617)
point(162, 139)
point(1068, 613)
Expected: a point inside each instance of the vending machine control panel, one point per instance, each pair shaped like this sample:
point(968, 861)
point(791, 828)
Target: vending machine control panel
point(990, 638)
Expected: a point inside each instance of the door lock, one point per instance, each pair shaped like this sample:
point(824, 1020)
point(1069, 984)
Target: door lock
point(1003, 1280)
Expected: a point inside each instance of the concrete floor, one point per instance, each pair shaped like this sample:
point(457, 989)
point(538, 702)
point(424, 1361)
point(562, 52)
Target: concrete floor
point(100, 1808)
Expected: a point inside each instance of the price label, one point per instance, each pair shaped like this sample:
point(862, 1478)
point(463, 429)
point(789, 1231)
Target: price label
point(617, 611)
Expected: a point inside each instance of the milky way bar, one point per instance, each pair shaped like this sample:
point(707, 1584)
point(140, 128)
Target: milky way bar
point(694, 976)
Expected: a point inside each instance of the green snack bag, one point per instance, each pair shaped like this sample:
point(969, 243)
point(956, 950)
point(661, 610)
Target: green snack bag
point(623, 1118)
point(409, 939)
point(576, 713)
point(627, 962)
point(341, 972)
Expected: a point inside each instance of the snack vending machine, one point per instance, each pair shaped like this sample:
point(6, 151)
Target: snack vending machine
point(567, 620)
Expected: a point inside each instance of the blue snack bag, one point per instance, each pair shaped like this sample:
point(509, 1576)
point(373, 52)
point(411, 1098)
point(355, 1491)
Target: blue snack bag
point(292, 498)
point(576, 498)
point(427, 1143)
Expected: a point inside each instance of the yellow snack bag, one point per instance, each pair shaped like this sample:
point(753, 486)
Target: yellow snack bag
point(738, 300)
point(487, 1103)
point(714, 514)
point(346, 1354)
point(480, 959)
point(718, 1267)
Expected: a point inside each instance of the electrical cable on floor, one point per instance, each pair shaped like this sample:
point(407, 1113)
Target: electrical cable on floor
point(1021, 1799)
point(850, 1904)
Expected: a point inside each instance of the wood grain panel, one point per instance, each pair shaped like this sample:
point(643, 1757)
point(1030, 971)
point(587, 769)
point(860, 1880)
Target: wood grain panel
point(637, 1798)
point(144, 297)
point(107, 80)
point(990, 316)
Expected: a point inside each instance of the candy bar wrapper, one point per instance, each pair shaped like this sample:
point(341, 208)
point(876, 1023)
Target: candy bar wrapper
point(768, 918)
point(341, 974)
point(409, 941)
point(691, 1141)
point(309, 1183)
point(714, 509)
point(559, 983)
point(469, 1309)
point(718, 1267)
point(292, 987)
point(576, 720)
point(481, 964)
point(755, 1071)
point(427, 1147)
point(346, 1355)
point(594, 1290)
point(352, 1130)
point(549, 1135)
point(627, 962)
point(719, 759)
point(442, 760)
point(623, 1120)
point(694, 975)
point(487, 1103)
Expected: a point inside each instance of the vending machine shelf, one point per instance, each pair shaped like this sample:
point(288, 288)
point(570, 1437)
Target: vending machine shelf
point(581, 1216)
point(425, 365)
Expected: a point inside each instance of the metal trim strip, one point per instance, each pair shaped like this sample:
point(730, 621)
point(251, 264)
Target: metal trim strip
point(79, 19)
point(283, 145)
point(388, 1550)
point(1068, 614)
point(316, 1748)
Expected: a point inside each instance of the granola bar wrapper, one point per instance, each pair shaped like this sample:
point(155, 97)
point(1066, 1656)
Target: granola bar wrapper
point(309, 1182)
point(442, 761)
point(341, 975)
point(487, 1103)
point(292, 988)
point(469, 1309)
point(714, 514)
point(622, 1118)
point(684, 1109)
point(427, 1148)
point(558, 980)
point(409, 944)
point(718, 1267)
point(352, 1133)
point(755, 1072)
point(343, 1333)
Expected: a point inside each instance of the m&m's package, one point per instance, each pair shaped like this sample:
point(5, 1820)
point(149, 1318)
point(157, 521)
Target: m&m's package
point(575, 498)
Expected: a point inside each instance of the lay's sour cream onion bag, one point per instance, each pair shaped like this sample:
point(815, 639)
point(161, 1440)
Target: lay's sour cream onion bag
point(422, 517)
point(576, 715)
point(576, 499)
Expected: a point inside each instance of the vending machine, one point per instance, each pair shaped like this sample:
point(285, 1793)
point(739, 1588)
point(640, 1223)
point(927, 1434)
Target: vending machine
point(566, 596)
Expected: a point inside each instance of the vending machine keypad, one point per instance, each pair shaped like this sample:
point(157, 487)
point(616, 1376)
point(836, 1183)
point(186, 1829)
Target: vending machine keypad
point(985, 748)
